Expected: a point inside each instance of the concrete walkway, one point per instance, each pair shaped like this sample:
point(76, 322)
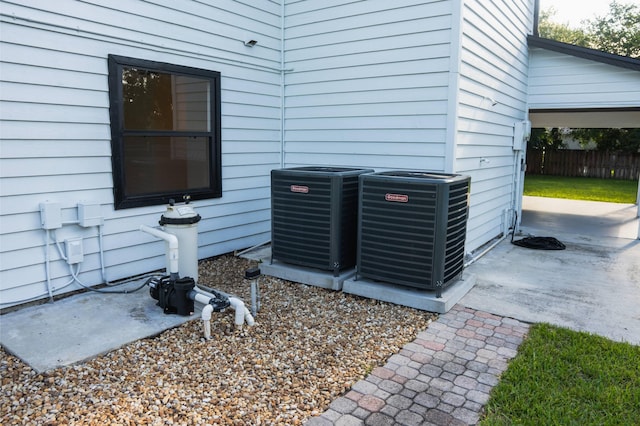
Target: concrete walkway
point(444, 377)
point(593, 285)
point(589, 220)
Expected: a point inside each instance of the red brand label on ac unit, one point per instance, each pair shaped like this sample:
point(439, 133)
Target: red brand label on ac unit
point(300, 188)
point(398, 198)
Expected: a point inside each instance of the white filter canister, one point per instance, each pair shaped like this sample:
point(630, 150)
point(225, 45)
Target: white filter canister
point(182, 221)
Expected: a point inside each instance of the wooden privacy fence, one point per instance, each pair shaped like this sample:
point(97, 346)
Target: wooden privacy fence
point(578, 163)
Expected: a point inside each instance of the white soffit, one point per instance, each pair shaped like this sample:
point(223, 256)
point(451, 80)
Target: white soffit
point(585, 119)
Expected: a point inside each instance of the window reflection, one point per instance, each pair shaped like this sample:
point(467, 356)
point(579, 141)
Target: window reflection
point(163, 163)
point(159, 101)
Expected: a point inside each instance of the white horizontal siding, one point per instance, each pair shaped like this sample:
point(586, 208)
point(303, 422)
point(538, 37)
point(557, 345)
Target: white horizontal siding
point(192, 27)
point(493, 69)
point(559, 80)
point(55, 129)
point(367, 83)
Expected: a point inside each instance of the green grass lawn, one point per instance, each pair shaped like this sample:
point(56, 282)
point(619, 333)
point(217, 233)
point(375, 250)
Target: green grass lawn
point(563, 377)
point(575, 188)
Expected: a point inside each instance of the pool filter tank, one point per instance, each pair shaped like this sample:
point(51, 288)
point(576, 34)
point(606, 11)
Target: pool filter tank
point(182, 221)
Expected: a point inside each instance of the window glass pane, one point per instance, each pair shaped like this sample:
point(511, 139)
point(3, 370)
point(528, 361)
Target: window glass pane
point(191, 99)
point(160, 101)
point(156, 164)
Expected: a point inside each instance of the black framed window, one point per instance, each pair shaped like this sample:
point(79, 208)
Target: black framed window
point(165, 132)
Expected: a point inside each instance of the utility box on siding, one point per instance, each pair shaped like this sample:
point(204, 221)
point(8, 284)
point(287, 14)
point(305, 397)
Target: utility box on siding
point(314, 216)
point(412, 228)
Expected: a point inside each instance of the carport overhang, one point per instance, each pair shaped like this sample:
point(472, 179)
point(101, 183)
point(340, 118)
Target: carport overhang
point(586, 118)
point(590, 111)
point(560, 106)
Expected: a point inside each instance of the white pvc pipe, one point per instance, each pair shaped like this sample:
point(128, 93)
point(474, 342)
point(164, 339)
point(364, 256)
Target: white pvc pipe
point(487, 249)
point(47, 266)
point(242, 313)
point(173, 246)
point(202, 298)
point(206, 320)
point(282, 81)
point(206, 311)
point(101, 245)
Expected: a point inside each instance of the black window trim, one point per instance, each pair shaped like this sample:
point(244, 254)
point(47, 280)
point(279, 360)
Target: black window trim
point(116, 115)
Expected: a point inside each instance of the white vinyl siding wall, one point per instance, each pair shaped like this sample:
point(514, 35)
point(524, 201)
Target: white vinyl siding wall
point(367, 83)
point(558, 80)
point(493, 69)
point(55, 128)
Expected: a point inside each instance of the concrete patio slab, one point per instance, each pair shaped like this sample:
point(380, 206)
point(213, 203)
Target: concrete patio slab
point(83, 326)
point(593, 285)
point(574, 218)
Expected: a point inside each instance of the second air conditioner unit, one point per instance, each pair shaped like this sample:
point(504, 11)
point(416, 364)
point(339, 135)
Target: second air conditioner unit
point(412, 228)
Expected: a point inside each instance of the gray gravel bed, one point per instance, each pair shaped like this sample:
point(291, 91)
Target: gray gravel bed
point(308, 347)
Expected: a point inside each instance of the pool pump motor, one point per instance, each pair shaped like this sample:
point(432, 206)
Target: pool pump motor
point(177, 296)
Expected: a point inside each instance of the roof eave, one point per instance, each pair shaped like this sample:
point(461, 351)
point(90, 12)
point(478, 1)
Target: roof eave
point(584, 52)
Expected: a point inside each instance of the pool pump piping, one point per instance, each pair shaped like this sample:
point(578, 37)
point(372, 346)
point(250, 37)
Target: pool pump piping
point(176, 295)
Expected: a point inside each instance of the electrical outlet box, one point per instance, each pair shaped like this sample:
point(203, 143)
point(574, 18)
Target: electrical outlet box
point(521, 134)
point(89, 214)
point(75, 254)
point(50, 215)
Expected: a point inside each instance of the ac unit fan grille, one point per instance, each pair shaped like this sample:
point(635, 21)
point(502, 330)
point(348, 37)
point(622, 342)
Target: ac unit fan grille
point(298, 219)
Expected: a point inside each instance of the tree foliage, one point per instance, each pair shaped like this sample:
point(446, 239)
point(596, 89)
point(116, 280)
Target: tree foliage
point(548, 28)
point(618, 32)
point(612, 140)
point(542, 138)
